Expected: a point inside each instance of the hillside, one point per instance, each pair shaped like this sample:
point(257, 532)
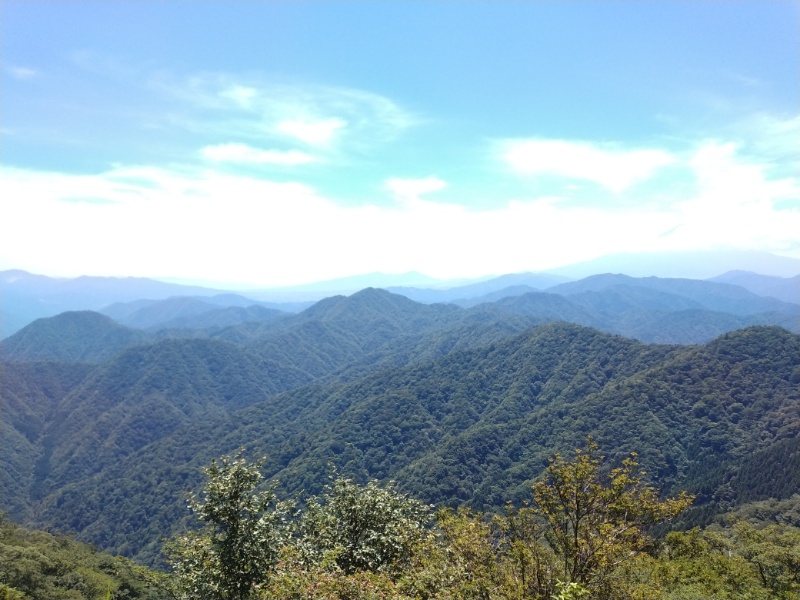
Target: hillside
point(37, 564)
point(471, 425)
point(29, 395)
point(83, 336)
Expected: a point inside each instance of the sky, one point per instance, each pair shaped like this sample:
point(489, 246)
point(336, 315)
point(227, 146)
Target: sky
point(279, 143)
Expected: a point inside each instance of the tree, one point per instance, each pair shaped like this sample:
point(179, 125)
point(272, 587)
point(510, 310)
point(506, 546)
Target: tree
point(594, 523)
point(238, 547)
point(362, 528)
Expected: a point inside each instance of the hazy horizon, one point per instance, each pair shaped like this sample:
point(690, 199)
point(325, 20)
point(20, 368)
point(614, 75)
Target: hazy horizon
point(278, 144)
point(701, 265)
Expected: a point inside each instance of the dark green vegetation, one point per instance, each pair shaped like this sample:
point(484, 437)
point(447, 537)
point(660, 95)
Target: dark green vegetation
point(105, 428)
point(584, 534)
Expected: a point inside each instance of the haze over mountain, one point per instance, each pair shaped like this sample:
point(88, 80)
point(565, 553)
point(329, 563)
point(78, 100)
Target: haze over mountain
point(26, 297)
point(461, 395)
point(782, 288)
point(686, 264)
point(427, 243)
point(461, 405)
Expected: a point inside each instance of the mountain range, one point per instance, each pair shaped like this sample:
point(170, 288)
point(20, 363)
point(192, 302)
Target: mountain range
point(26, 297)
point(106, 421)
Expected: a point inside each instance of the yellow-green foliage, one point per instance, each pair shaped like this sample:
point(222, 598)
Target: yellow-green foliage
point(39, 566)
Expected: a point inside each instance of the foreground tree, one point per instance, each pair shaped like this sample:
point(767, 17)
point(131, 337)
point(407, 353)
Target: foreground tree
point(238, 547)
point(362, 528)
point(361, 541)
point(577, 539)
point(595, 524)
point(580, 537)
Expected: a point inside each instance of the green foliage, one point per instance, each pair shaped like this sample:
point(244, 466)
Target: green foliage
point(39, 566)
point(472, 426)
point(80, 336)
point(595, 524)
point(361, 528)
point(578, 538)
point(740, 561)
point(238, 548)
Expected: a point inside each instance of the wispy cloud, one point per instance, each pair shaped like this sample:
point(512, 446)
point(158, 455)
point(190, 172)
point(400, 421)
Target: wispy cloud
point(315, 133)
point(411, 189)
point(242, 153)
point(241, 95)
point(254, 109)
point(772, 139)
point(23, 73)
point(614, 169)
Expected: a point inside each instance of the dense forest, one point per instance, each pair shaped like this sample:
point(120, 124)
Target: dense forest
point(109, 419)
point(585, 533)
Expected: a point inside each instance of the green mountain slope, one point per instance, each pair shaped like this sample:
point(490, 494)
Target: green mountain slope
point(82, 336)
point(473, 426)
point(29, 393)
point(145, 393)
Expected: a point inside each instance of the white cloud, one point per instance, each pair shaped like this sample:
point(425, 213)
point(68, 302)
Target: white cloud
point(22, 72)
point(412, 189)
point(257, 109)
point(616, 170)
point(242, 153)
point(198, 223)
point(736, 204)
point(315, 133)
point(241, 95)
point(773, 139)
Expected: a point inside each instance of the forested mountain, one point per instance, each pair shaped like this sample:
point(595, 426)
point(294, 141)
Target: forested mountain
point(460, 406)
point(83, 336)
point(27, 296)
point(41, 566)
point(29, 395)
point(106, 426)
point(648, 314)
point(722, 297)
point(191, 312)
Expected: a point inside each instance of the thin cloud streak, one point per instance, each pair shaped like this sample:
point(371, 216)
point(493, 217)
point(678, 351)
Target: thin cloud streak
point(242, 228)
point(616, 170)
point(242, 153)
point(254, 109)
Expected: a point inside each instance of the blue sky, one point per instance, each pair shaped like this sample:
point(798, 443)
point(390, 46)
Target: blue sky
point(276, 143)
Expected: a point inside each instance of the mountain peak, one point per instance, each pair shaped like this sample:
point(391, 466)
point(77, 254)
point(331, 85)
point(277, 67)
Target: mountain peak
point(72, 336)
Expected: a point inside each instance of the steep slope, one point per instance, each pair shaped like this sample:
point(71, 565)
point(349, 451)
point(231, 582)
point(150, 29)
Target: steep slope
point(339, 331)
point(389, 420)
point(82, 336)
point(146, 393)
point(29, 393)
point(456, 404)
point(720, 401)
point(381, 422)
